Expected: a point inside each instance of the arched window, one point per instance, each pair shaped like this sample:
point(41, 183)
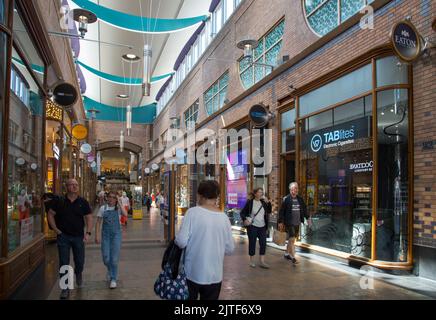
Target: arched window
point(325, 15)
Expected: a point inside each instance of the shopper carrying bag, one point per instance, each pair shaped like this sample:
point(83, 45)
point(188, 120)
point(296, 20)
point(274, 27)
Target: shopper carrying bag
point(255, 218)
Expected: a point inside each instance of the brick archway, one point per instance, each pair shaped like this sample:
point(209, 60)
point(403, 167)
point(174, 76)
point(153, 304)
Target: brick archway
point(116, 144)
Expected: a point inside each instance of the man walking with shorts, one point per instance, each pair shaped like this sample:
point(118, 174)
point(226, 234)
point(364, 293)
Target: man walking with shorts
point(292, 213)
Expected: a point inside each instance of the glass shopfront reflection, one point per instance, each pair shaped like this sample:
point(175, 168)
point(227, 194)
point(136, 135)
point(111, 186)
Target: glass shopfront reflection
point(24, 158)
point(336, 162)
point(393, 168)
point(3, 67)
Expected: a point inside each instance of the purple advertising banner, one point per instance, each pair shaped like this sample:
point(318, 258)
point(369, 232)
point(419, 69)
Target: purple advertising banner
point(237, 180)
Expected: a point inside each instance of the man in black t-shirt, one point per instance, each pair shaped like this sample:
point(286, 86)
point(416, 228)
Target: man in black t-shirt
point(292, 213)
point(68, 215)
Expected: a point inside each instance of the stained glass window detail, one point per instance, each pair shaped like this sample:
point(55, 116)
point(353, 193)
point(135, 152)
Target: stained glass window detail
point(323, 15)
point(266, 52)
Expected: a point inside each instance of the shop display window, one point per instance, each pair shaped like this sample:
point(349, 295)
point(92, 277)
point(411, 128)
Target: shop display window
point(24, 159)
point(336, 163)
point(3, 13)
point(53, 145)
point(393, 168)
point(3, 47)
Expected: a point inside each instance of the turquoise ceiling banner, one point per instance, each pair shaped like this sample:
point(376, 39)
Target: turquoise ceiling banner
point(137, 23)
point(36, 68)
point(121, 80)
point(142, 115)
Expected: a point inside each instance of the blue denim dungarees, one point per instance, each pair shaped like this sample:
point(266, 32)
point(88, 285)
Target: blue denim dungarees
point(111, 241)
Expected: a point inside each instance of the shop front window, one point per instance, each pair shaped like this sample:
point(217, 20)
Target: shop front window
point(3, 13)
point(3, 67)
point(67, 155)
point(336, 163)
point(393, 181)
point(237, 171)
point(52, 153)
point(24, 162)
point(288, 131)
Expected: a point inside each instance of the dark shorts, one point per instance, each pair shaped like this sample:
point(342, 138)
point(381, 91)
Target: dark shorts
point(293, 231)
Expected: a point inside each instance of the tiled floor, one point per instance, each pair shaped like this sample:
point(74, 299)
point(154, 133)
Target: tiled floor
point(313, 278)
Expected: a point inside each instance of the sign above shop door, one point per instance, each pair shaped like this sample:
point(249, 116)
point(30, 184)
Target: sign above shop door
point(406, 41)
point(260, 115)
point(65, 94)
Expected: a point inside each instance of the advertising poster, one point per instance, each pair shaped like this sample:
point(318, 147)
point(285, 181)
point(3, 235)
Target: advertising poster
point(26, 233)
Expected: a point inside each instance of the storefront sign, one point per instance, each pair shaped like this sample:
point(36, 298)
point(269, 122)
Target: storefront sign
point(93, 164)
point(90, 158)
point(79, 132)
point(147, 170)
point(56, 151)
point(259, 115)
point(406, 41)
point(53, 111)
point(341, 135)
point(362, 167)
point(332, 139)
point(154, 167)
point(86, 148)
point(33, 166)
point(65, 94)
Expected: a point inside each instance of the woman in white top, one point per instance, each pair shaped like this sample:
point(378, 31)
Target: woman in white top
point(206, 235)
point(110, 235)
point(255, 217)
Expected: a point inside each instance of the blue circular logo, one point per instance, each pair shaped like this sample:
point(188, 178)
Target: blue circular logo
point(316, 143)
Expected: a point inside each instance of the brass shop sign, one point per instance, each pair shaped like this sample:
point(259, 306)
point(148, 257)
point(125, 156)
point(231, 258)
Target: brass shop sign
point(79, 131)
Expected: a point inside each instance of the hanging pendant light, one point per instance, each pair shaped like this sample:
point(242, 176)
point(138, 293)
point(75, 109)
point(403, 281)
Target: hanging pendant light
point(129, 119)
point(121, 141)
point(147, 71)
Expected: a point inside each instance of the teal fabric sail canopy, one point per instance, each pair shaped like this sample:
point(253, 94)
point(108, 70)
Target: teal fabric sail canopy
point(137, 23)
point(36, 68)
point(121, 80)
point(141, 115)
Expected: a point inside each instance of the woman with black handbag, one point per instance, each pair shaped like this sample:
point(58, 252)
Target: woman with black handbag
point(255, 217)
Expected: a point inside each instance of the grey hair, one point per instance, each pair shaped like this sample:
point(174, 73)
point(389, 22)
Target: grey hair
point(293, 184)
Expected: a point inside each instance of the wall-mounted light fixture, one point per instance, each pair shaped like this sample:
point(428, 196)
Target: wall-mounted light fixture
point(84, 17)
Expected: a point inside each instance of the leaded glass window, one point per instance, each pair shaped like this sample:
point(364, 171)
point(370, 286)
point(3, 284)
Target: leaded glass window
point(325, 15)
point(215, 96)
point(266, 52)
point(191, 115)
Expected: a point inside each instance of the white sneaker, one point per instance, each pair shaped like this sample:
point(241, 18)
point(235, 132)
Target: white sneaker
point(113, 284)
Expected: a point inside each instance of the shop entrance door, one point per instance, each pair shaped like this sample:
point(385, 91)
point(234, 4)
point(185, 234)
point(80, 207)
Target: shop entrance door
point(287, 173)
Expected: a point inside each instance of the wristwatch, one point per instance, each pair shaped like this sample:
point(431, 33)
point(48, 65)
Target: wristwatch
point(88, 233)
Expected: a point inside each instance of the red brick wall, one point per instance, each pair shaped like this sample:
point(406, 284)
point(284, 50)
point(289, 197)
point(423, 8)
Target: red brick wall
point(254, 18)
